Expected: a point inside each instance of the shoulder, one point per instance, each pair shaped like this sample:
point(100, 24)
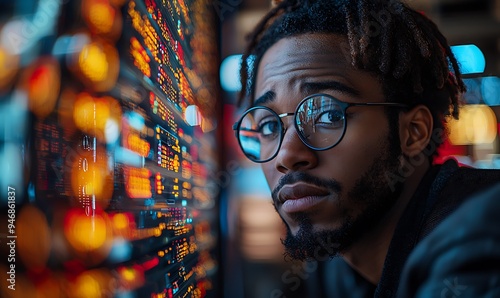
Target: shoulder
point(477, 174)
point(467, 181)
point(452, 186)
point(461, 254)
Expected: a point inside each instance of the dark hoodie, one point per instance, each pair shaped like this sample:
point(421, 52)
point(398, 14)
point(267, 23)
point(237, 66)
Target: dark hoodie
point(441, 191)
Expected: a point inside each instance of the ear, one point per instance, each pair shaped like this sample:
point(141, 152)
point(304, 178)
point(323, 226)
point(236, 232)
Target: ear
point(415, 130)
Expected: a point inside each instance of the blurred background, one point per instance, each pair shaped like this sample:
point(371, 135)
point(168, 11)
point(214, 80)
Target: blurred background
point(471, 26)
point(108, 149)
point(119, 171)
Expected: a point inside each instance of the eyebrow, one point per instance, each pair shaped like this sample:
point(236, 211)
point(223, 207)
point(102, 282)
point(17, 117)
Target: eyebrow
point(310, 88)
point(265, 98)
point(315, 87)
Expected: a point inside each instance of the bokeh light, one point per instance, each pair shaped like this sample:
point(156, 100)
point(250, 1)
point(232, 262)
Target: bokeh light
point(230, 73)
point(121, 251)
point(470, 58)
point(123, 223)
point(91, 178)
point(48, 285)
point(93, 62)
point(96, 63)
point(477, 125)
point(85, 232)
point(42, 82)
point(34, 241)
point(490, 90)
point(95, 283)
point(130, 277)
point(84, 112)
point(9, 65)
point(99, 117)
point(11, 171)
point(473, 94)
point(135, 120)
point(102, 18)
point(192, 115)
point(89, 236)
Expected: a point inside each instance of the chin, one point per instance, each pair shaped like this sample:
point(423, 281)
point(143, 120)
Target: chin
point(314, 241)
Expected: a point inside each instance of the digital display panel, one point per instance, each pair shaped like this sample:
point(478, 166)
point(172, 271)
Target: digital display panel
point(118, 164)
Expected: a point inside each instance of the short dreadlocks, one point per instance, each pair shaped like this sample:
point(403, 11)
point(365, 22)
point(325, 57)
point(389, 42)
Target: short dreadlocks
point(403, 48)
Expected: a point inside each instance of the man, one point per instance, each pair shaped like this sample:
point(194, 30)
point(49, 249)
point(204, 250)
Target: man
point(348, 105)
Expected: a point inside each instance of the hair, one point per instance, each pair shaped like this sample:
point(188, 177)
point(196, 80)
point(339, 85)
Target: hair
point(403, 48)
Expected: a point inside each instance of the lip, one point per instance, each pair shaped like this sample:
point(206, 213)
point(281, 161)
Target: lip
point(301, 197)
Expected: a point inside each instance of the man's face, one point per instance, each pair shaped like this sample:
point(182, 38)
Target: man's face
point(338, 194)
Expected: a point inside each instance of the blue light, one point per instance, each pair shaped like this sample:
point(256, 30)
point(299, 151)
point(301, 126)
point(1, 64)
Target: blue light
point(470, 58)
point(490, 90)
point(184, 203)
point(473, 94)
point(62, 45)
point(192, 115)
point(252, 181)
point(121, 251)
point(230, 73)
point(136, 120)
point(128, 157)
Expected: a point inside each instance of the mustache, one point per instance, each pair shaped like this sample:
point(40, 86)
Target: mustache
point(294, 177)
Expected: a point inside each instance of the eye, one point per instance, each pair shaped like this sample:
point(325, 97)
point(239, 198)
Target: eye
point(330, 119)
point(269, 127)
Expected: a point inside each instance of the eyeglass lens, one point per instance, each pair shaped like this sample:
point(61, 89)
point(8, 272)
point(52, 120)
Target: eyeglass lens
point(260, 134)
point(319, 121)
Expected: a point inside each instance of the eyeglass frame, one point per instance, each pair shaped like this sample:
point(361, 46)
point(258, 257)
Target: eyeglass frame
point(342, 104)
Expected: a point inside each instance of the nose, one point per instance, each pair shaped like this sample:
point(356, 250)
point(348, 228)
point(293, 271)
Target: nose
point(294, 155)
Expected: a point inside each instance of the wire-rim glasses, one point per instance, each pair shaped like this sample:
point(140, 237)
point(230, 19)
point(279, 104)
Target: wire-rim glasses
point(319, 119)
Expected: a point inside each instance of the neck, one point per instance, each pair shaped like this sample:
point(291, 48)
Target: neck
point(370, 262)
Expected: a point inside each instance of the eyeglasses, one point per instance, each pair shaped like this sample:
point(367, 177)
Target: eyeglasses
point(320, 121)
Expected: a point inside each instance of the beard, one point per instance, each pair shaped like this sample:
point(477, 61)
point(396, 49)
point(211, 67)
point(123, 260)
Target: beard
point(372, 191)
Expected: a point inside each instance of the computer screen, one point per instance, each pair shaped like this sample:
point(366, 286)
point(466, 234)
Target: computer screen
point(109, 143)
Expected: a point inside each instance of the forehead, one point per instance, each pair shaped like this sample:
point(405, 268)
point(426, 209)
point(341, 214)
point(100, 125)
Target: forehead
point(302, 55)
point(294, 62)
point(305, 49)
point(326, 46)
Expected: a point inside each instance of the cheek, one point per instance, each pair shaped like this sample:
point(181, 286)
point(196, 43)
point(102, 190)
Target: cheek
point(357, 151)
